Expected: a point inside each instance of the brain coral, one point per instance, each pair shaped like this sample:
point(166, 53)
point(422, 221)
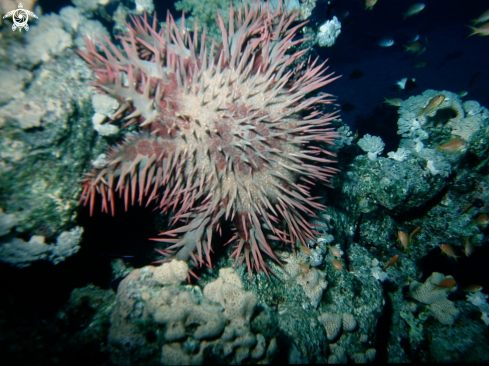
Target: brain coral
point(225, 132)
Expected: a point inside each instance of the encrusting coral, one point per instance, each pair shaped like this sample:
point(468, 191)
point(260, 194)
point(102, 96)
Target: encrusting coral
point(225, 134)
point(430, 293)
point(333, 323)
point(188, 321)
point(312, 280)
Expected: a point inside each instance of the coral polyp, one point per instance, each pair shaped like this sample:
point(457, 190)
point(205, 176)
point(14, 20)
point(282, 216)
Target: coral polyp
point(226, 133)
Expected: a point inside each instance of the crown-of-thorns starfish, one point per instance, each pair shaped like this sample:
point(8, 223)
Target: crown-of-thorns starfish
point(225, 134)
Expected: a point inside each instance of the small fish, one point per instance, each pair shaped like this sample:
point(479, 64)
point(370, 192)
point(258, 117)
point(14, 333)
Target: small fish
point(385, 42)
point(305, 249)
point(355, 74)
point(447, 283)
point(335, 251)
point(337, 264)
point(473, 288)
point(391, 261)
point(414, 232)
point(410, 84)
point(421, 64)
point(453, 145)
point(413, 10)
point(483, 30)
point(474, 78)
point(463, 93)
point(416, 48)
point(395, 102)
point(482, 219)
point(414, 39)
point(475, 203)
point(304, 267)
point(466, 209)
point(469, 247)
point(405, 83)
point(448, 250)
point(483, 18)
point(433, 104)
point(403, 239)
point(369, 4)
point(356, 136)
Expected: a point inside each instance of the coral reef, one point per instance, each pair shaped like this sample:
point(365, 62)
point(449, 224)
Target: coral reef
point(428, 136)
point(356, 315)
point(311, 280)
point(430, 293)
point(433, 189)
point(194, 327)
point(21, 253)
point(479, 299)
point(364, 285)
point(45, 138)
point(45, 40)
point(222, 136)
point(15, 80)
point(88, 5)
point(328, 32)
point(174, 272)
point(332, 323)
point(206, 15)
point(372, 145)
point(104, 106)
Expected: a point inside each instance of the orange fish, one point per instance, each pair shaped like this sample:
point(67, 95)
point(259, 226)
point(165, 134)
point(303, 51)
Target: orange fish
point(453, 145)
point(369, 4)
point(466, 209)
point(414, 232)
point(305, 250)
point(472, 288)
point(448, 283)
point(392, 261)
point(432, 105)
point(482, 219)
point(403, 239)
point(483, 31)
point(304, 267)
point(448, 250)
point(475, 203)
point(335, 251)
point(337, 264)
